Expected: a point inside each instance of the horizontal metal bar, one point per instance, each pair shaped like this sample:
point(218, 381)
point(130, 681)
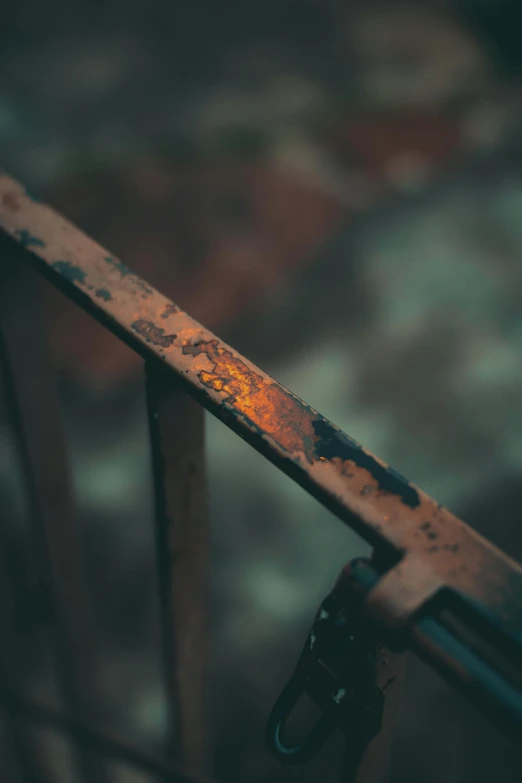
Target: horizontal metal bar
point(423, 544)
point(99, 742)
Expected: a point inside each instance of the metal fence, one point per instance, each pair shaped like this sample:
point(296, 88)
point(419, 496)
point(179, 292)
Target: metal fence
point(434, 586)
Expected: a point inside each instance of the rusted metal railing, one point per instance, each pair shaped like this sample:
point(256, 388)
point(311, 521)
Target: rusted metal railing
point(428, 563)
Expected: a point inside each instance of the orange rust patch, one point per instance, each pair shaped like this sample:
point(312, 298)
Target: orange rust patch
point(297, 428)
point(268, 406)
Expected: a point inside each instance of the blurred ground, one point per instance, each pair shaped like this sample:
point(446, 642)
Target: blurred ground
point(337, 190)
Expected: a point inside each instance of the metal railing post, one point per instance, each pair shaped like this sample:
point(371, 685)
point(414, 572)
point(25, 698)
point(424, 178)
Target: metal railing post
point(24, 745)
point(35, 415)
point(178, 456)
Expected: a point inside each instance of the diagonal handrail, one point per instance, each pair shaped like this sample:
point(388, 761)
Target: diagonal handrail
point(425, 547)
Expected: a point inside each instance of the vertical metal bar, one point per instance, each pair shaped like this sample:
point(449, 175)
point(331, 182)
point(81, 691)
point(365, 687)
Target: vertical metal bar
point(23, 744)
point(178, 456)
point(35, 415)
point(375, 764)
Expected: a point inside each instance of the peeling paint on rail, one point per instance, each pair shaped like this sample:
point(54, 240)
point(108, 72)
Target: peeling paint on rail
point(371, 497)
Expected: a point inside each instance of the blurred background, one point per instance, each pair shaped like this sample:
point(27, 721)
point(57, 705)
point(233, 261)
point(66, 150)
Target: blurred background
point(335, 188)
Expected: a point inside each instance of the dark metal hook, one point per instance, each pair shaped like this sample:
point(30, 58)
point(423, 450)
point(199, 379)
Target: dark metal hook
point(314, 740)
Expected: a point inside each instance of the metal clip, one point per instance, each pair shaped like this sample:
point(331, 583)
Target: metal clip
point(314, 740)
point(336, 670)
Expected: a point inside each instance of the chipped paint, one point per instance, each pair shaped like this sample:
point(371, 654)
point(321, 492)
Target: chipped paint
point(427, 528)
point(170, 309)
point(379, 503)
point(275, 410)
point(72, 273)
point(118, 265)
point(153, 334)
point(265, 405)
point(102, 293)
point(28, 240)
point(334, 444)
point(142, 285)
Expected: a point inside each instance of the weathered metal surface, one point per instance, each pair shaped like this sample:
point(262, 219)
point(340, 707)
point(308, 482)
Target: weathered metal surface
point(425, 546)
point(178, 454)
point(35, 415)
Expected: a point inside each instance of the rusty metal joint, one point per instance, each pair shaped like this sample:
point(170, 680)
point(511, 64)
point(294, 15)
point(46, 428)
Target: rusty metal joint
point(460, 638)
